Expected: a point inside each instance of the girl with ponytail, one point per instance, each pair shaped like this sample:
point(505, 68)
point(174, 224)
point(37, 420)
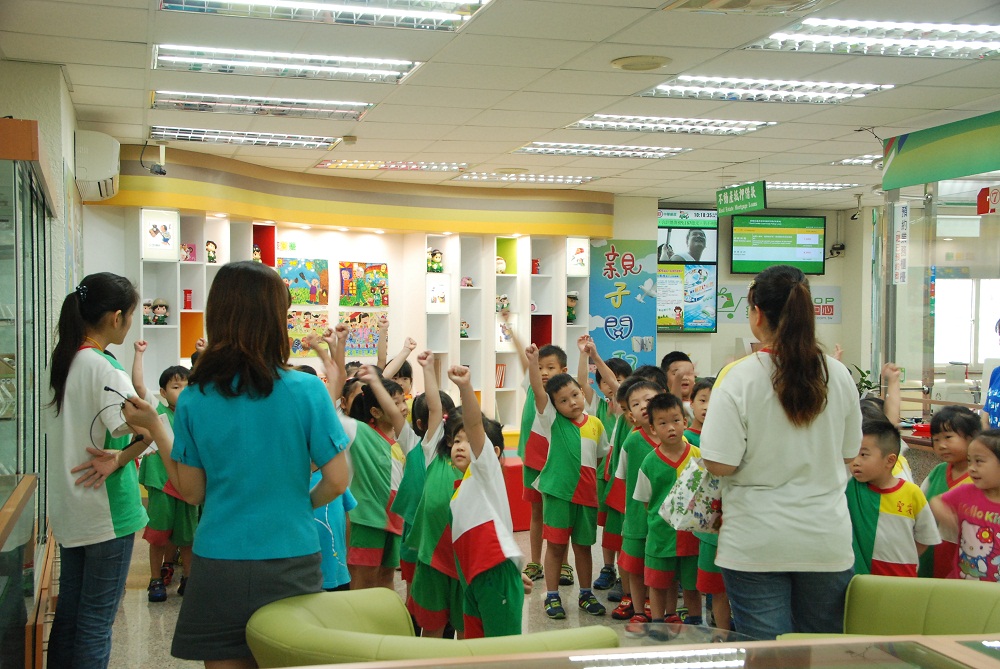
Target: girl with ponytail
point(94, 503)
point(783, 422)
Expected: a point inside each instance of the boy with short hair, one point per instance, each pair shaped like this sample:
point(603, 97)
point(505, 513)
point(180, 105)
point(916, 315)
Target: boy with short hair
point(567, 481)
point(892, 522)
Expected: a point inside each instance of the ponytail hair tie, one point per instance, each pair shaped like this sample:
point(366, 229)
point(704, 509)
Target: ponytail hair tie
point(81, 290)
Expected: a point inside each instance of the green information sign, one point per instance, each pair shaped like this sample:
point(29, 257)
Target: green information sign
point(741, 199)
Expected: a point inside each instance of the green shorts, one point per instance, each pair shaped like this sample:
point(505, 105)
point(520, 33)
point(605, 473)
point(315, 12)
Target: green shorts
point(171, 520)
point(706, 557)
point(632, 557)
point(436, 599)
point(661, 571)
point(564, 522)
point(530, 493)
point(373, 547)
point(494, 602)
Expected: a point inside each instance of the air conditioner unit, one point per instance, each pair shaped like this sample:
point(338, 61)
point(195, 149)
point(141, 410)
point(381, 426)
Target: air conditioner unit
point(97, 165)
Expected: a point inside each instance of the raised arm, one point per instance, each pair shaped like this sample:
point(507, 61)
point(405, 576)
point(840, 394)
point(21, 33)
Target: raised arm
point(583, 369)
point(383, 341)
point(409, 345)
point(505, 317)
point(334, 374)
point(472, 414)
point(137, 381)
point(435, 410)
point(535, 377)
point(189, 481)
point(370, 375)
point(607, 376)
point(891, 375)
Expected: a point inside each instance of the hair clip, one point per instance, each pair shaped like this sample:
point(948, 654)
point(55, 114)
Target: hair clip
point(752, 283)
point(81, 290)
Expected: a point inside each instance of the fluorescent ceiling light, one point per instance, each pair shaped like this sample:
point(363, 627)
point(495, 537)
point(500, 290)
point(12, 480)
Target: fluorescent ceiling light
point(867, 159)
point(260, 106)
point(600, 150)
point(762, 90)
point(697, 126)
point(425, 15)
point(243, 138)
point(392, 165)
point(280, 64)
point(494, 177)
point(801, 185)
point(886, 38)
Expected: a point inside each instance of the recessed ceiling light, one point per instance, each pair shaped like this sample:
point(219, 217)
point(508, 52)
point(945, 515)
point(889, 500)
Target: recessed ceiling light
point(948, 239)
point(447, 15)
point(516, 235)
point(762, 90)
point(243, 138)
point(379, 232)
point(221, 215)
point(764, 7)
point(446, 234)
point(343, 229)
point(885, 38)
point(391, 165)
point(280, 64)
point(800, 185)
point(306, 227)
point(866, 159)
point(600, 150)
point(496, 177)
point(640, 63)
point(698, 126)
point(260, 106)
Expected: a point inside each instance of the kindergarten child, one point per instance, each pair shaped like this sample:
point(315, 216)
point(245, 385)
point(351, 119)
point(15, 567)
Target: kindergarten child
point(640, 443)
point(972, 512)
point(331, 524)
point(482, 532)
point(892, 523)
point(952, 430)
point(671, 556)
point(567, 481)
point(172, 521)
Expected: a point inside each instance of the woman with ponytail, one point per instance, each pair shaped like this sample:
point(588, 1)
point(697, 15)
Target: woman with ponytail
point(94, 503)
point(783, 422)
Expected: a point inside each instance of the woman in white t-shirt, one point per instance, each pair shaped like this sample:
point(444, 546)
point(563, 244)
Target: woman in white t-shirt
point(94, 515)
point(783, 422)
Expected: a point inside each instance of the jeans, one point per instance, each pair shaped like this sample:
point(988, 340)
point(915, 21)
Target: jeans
point(766, 604)
point(91, 584)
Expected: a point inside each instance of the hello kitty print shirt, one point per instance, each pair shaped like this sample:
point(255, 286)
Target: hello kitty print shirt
point(978, 534)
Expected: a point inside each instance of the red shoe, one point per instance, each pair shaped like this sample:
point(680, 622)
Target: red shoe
point(624, 611)
point(637, 625)
point(647, 610)
point(673, 618)
point(166, 573)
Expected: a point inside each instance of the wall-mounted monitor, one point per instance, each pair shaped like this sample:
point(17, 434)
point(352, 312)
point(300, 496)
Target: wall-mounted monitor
point(760, 241)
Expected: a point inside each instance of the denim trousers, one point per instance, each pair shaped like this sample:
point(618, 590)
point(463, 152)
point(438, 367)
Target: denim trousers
point(766, 604)
point(91, 585)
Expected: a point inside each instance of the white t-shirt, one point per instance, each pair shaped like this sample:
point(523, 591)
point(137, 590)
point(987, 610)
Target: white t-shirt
point(784, 508)
point(82, 516)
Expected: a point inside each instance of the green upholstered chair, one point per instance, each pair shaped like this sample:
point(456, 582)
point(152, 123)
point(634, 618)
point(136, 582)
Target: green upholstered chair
point(893, 606)
point(374, 625)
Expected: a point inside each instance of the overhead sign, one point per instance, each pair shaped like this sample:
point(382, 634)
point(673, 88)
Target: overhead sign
point(901, 243)
point(988, 200)
point(741, 199)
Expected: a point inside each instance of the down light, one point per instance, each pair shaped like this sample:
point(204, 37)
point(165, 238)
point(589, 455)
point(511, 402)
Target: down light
point(495, 177)
point(600, 150)
point(260, 106)
point(806, 185)
point(886, 38)
point(867, 159)
point(431, 15)
point(243, 138)
point(391, 165)
point(280, 64)
point(697, 126)
point(762, 90)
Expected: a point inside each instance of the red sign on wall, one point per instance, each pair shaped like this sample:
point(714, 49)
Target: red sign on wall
point(988, 200)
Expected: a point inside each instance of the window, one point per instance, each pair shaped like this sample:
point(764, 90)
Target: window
point(966, 312)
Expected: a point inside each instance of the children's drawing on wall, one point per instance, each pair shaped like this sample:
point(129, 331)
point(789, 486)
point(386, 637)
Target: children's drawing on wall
point(301, 323)
point(362, 339)
point(364, 284)
point(307, 280)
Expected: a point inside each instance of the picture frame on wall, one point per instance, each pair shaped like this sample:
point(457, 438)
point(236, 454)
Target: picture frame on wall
point(160, 232)
point(504, 333)
point(438, 295)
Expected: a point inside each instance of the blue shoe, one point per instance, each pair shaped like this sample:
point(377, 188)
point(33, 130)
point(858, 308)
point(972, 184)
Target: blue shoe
point(615, 594)
point(156, 592)
point(591, 605)
point(692, 620)
point(605, 579)
point(554, 608)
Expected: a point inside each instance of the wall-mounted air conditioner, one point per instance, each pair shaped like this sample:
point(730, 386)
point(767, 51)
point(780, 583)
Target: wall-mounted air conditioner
point(97, 165)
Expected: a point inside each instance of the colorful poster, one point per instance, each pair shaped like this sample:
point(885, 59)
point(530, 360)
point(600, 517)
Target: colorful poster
point(308, 280)
point(670, 298)
point(699, 298)
point(364, 284)
point(362, 340)
point(623, 291)
point(302, 323)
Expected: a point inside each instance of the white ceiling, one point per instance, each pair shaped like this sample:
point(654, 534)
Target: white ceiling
point(520, 71)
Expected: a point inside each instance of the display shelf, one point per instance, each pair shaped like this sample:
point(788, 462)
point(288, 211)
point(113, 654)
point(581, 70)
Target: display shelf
point(264, 238)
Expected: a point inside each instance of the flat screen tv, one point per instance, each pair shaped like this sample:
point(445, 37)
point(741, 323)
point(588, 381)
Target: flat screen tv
point(760, 241)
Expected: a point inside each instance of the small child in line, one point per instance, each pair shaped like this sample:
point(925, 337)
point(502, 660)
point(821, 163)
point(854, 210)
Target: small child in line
point(488, 557)
point(892, 523)
point(172, 521)
point(568, 482)
point(952, 430)
point(671, 556)
point(972, 512)
point(700, 395)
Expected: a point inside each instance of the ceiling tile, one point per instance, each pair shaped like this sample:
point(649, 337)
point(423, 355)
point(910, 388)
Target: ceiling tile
point(444, 96)
point(101, 95)
point(67, 19)
point(892, 10)
point(511, 51)
point(765, 65)
point(109, 77)
point(181, 119)
point(552, 20)
point(517, 135)
point(491, 77)
point(598, 58)
point(556, 102)
point(522, 119)
point(598, 83)
point(123, 132)
point(369, 130)
point(49, 49)
point(697, 29)
point(105, 114)
point(390, 113)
